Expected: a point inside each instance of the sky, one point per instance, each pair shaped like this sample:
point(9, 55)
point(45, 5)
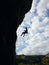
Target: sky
point(36, 41)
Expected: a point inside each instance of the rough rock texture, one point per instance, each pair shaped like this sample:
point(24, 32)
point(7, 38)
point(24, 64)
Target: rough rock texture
point(12, 13)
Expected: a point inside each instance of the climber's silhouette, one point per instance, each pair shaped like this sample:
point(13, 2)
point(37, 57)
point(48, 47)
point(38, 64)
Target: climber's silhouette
point(26, 31)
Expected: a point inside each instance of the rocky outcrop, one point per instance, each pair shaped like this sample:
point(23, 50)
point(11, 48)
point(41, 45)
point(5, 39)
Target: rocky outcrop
point(12, 13)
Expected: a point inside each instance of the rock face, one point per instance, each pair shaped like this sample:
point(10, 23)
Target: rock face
point(12, 13)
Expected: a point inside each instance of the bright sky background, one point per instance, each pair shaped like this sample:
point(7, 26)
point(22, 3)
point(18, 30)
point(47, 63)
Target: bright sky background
point(36, 42)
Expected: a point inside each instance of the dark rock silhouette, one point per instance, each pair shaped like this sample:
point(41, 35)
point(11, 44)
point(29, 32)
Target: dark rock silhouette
point(12, 13)
point(25, 32)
